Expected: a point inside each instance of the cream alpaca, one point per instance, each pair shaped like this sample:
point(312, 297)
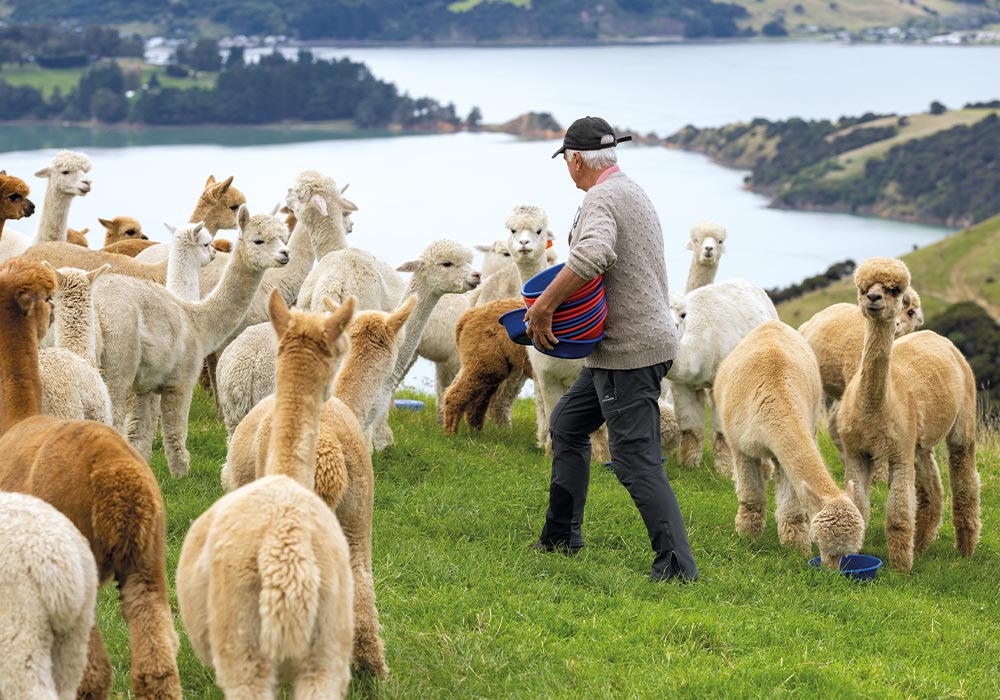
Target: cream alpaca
point(769, 396)
point(49, 583)
point(128, 309)
point(68, 178)
point(707, 242)
point(906, 397)
point(264, 582)
point(344, 476)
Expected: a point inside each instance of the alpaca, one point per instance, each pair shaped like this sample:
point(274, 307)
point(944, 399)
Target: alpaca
point(77, 237)
point(72, 388)
point(707, 241)
point(906, 397)
point(49, 583)
point(67, 176)
point(264, 581)
point(487, 358)
point(122, 228)
point(553, 376)
point(177, 334)
point(769, 395)
point(711, 321)
point(14, 204)
point(88, 472)
point(344, 475)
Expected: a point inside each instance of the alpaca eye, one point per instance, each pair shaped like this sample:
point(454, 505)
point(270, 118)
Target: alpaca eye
point(235, 207)
point(539, 232)
point(14, 197)
point(65, 172)
point(506, 255)
point(258, 242)
point(894, 291)
point(513, 230)
point(911, 313)
point(447, 264)
point(684, 315)
point(130, 232)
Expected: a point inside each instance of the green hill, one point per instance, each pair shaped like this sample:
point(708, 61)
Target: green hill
point(799, 16)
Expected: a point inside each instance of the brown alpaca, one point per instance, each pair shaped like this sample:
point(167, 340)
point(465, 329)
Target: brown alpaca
point(14, 204)
point(488, 356)
point(264, 583)
point(90, 473)
point(122, 228)
point(223, 245)
point(344, 475)
point(906, 397)
point(77, 237)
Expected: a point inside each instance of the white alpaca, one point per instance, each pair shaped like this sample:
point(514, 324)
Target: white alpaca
point(48, 581)
point(68, 178)
point(707, 242)
point(176, 334)
point(711, 321)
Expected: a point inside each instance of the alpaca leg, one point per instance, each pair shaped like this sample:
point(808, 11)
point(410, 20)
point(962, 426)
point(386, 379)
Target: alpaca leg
point(690, 412)
point(900, 515)
point(152, 637)
point(454, 402)
point(120, 390)
point(479, 404)
point(382, 435)
point(720, 447)
point(318, 681)
point(444, 375)
point(859, 470)
point(964, 495)
point(599, 450)
point(542, 437)
point(69, 657)
point(369, 652)
point(831, 423)
point(96, 682)
point(793, 523)
point(930, 495)
point(751, 492)
point(502, 403)
point(176, 405)
point(211, 363)
point(142, 424)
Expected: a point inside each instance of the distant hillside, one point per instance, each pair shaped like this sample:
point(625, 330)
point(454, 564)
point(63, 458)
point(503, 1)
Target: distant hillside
point(506, 21)
point(938, 168)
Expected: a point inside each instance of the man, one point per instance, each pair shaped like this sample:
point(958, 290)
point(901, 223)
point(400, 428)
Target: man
point(617, 234)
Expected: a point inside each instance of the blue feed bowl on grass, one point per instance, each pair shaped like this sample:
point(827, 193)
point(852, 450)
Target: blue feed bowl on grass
point(409, 404)
point(860, 567)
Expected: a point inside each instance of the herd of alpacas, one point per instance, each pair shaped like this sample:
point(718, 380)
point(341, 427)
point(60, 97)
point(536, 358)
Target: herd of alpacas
point(304, 340)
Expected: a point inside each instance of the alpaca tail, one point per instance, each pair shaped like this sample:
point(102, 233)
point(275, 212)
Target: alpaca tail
point(289, 589)
point(127, 511)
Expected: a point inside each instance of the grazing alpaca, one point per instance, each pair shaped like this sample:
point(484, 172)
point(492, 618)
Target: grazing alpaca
point(180, 334)
point(344, 475)
point(89, 473)
point(769, 396)
point(264, 581)
point(67, 176)
point(906, 397)
point(49, 583)
point(14, 204)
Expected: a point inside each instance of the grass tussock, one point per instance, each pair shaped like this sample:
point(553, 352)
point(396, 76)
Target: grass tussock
point(468, 612)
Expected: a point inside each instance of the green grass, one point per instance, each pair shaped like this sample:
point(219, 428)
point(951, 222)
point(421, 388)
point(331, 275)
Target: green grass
point(468, 612)
point(852, 15)
point(47, 79)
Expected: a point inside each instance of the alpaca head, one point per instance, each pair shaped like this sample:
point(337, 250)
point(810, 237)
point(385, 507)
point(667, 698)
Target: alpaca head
point(445, 267)
point(881, 283)
point(26, 290)
point(315, 342)
point(218, 204)
point(835, 525)
point(73, 291)
point(14, 202)
point(261, 242)
point(67, 174)
point(375, 335)
point(75, 237)
point(678, 309)
point(195, 238)
point(911, 316)
point(317, 194)
point(529, 232)
point(495, 257)
point(122, 228)
point(708, 242)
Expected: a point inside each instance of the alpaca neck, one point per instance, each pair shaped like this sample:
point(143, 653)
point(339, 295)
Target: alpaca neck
point(221, 312)
point(414, 328)
point(200, 213)
point(529, 267)
point(700, 275)
point(183, 270)
point(19, 374)
point(326, 233)
point(75, 331)
point(298, 404)
point(799, 457)
point(873, 381)
point(55, 216)
point(359, 380)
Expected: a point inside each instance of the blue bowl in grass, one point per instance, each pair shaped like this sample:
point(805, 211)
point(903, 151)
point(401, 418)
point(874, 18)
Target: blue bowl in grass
point(860, 567)
point(409, 404)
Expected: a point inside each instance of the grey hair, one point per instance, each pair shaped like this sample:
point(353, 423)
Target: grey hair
point(600, 159)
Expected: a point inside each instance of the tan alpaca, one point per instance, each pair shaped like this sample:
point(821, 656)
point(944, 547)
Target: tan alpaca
point(344, 476)
point(89, 473)
point(121, 228)
point(768, 393)
point(14, 204)
point(906, 397)
point(264, 580)
point(77, 237)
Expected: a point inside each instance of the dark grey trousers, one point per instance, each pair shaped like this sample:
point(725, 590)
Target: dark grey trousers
point(626, 401)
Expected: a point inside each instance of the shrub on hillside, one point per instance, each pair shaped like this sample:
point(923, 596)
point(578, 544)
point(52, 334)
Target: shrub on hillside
point(835, 272)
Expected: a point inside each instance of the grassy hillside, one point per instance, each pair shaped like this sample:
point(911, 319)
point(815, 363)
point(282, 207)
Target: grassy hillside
point(961, 267)
point(850, 15)
point(468, 612)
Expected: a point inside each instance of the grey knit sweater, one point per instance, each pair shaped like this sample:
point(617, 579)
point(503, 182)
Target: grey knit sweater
point(617, 234)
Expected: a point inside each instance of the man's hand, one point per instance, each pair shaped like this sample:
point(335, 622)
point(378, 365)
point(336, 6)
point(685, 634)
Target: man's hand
point(539, 327)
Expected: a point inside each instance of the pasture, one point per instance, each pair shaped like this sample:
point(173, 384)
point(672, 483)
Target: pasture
point(468, 612)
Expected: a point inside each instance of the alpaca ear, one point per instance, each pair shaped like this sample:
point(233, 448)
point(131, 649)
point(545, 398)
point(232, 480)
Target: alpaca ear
point(690, 245)
point(549, 236)
point(344, 188)
point(59, 276)
point(170, 228)
point(4, 172)
point(813, 502)
point(400, 315)
point(243, 217)
point(198, 227)
point(348, 205)
point(278, 312)
point(224, 185)
point(44, 172)
point(27, 301)
point(317, 201)
point(339, 319)
point(330, 304)
point(277, 208)
point(210, 181)
point(411, 266)
point(106, 223)
point(483, 248)
point(94, 274)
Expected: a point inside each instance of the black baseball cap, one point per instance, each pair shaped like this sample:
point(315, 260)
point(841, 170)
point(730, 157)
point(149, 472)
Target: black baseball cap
point(586, 133)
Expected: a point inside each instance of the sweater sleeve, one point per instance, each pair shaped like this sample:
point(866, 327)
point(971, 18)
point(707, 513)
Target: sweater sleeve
point(593, 248)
